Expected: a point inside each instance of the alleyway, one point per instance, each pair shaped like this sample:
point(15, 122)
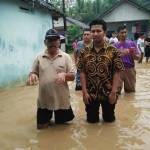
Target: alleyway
point(131, 131)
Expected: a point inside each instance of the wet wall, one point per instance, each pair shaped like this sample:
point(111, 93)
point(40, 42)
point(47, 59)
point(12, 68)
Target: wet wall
point(22, 30)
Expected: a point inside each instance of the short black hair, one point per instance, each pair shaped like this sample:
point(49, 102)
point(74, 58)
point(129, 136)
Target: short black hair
point(136, 36)
point(113, 31)
point(141, 34)
point(99, 22)
point(122, 27)
point(86, 29)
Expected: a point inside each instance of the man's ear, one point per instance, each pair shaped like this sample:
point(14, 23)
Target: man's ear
point(45, 42)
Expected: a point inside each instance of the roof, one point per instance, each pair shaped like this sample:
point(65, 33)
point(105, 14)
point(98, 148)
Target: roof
point(118, 3)
point(47, 5)
point(77, 22)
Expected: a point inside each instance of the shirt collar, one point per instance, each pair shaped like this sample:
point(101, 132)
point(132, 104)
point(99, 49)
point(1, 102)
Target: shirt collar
point(46, 54)
point(106, 45)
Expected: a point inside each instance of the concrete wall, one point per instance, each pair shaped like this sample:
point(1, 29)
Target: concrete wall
point(21, 38)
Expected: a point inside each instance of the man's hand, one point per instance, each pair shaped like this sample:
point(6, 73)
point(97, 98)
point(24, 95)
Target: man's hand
point(86, 97)
point(32, 79)
point(61, 78)
point(112, 97)
point(124, 52)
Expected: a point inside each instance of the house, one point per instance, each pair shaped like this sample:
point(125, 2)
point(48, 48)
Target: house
point(59, 24)
point(129, 13)
point(22, 29)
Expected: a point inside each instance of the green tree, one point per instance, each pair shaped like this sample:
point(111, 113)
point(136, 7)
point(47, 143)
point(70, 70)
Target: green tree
point(86, 10)
point(73, 32)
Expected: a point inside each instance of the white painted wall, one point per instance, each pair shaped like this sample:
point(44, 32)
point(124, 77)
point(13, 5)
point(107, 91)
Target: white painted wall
point(21, 38)
point(126, 12)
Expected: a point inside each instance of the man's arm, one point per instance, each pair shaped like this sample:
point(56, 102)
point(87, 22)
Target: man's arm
point(86, 96)
point(115, 84)
point(83, 82)
point(124, 52)
point(32, 79)
point(136, 56)
point(63, 77)
point(34, 74)
point(117, 68)
point(139, 45)
point(75, 56)
point(116, 78)
point(69, 76)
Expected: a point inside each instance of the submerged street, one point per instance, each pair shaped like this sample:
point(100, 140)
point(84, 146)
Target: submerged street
point(130, 131)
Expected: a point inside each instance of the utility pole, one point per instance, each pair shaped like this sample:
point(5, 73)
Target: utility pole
point(64, 17)
point(65, 24)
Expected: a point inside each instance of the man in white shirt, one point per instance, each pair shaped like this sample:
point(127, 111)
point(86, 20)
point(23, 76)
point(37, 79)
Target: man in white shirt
point(140, 44)
point(113, 39)
point(52, 68)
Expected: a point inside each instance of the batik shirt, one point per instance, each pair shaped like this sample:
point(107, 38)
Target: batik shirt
point(99, 68)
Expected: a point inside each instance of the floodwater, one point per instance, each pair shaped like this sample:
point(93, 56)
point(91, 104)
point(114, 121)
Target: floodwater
point(130, 131)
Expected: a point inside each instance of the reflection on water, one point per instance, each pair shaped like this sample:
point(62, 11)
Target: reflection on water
point(131, 130)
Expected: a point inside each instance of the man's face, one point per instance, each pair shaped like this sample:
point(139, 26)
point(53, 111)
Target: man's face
point(97, 33)
point(114, 34)
point(122, 34)
point(142, 36)
point(87, 36)
point(52, 44)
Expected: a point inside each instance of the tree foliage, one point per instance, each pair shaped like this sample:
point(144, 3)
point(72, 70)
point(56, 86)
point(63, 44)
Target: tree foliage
point(73, 32)
point(86, 10)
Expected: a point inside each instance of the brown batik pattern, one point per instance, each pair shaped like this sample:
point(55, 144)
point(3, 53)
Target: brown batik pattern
point(99, 68)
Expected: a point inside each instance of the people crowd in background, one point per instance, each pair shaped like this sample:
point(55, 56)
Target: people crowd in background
point(140, 44)
point(147, 48)
point(74, 44)
point(113, 38)
point(104, 66)
point(86, 42)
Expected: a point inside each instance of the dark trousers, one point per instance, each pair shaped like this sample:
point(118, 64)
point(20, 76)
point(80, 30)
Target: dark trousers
point(92, 110)
point(61, 116)
point(141, 58)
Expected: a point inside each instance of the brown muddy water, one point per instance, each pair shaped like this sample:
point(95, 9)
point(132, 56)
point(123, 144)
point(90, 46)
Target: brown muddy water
point(130, 131)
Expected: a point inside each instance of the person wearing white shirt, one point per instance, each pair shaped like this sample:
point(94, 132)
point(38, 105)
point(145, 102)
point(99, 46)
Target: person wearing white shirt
point(113, 39)
point(140, 44)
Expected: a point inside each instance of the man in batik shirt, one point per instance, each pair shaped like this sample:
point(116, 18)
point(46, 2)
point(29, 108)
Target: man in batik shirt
point(100, 67)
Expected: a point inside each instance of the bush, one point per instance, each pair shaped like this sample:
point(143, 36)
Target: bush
point(69, 48)
point(74, 32)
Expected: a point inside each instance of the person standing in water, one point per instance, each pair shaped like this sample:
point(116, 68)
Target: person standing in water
point(99, 67)
point(86, 42)
point(129, 52)
point(53, 68)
